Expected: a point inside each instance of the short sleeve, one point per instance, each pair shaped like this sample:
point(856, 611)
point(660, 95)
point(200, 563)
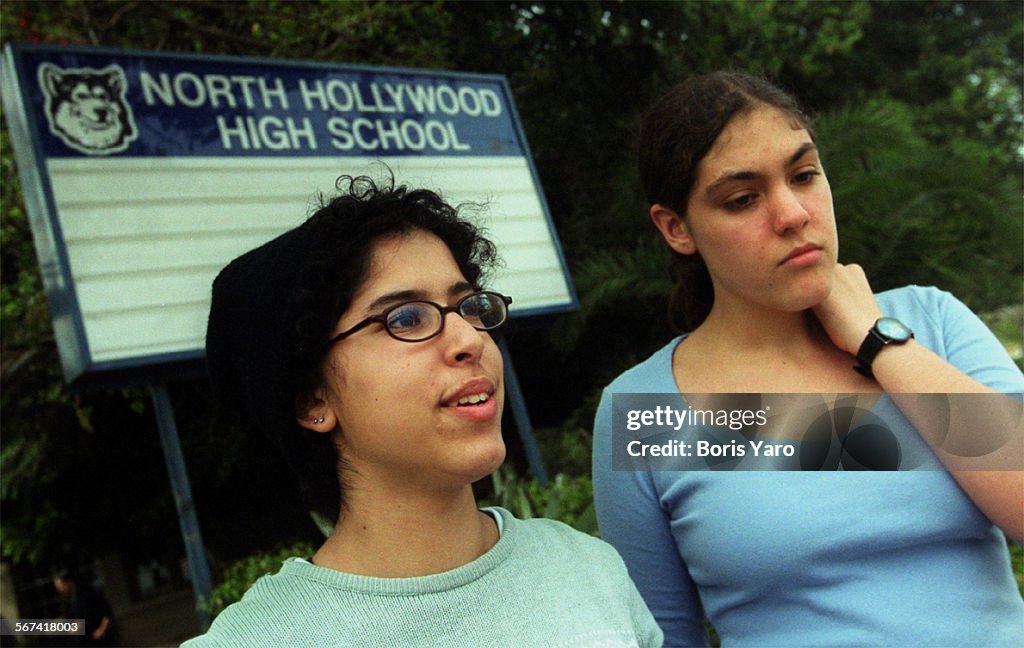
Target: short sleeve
point(965, 342)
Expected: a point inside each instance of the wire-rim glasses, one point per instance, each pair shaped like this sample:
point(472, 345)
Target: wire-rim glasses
point(416, 321)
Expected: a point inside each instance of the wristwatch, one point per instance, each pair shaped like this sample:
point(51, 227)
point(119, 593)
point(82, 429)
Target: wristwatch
point(886, 331)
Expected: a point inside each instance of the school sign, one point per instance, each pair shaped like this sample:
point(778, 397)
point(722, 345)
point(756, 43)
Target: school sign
point(144, 173)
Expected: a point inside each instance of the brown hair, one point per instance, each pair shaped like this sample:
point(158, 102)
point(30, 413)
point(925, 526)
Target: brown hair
point(676, 133)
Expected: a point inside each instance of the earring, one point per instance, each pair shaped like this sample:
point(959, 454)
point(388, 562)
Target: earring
point(318, 420)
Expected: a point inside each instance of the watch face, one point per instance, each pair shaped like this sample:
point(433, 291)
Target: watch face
point(893, 329)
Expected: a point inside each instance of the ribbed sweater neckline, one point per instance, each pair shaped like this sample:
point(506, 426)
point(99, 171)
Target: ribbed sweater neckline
point(416, 585)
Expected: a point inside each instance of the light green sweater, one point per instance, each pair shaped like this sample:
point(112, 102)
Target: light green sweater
point(542, 584)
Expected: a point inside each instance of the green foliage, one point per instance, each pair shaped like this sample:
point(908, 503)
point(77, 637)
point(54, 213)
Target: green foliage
point(23, 529)
point(612, 281)
point(1017, 561)
point(799, 38)
point(567, 499)
point(21, 294)
point(238, 577)
point(39, 414)
point(566, 448)
point(382, 33)
point(957, 63)
point(913, 212)
point(32, 388)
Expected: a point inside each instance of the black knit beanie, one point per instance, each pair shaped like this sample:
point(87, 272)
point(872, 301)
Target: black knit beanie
point(249, 333)
point(253, 361)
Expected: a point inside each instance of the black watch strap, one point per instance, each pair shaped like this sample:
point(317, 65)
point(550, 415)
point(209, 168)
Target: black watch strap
point(885, 331)
point(869, 348)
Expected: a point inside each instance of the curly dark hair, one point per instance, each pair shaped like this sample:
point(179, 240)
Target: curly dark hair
point(676, 133)
point(274, 307)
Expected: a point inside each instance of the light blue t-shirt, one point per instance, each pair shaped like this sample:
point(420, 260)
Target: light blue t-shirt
point(818, 558)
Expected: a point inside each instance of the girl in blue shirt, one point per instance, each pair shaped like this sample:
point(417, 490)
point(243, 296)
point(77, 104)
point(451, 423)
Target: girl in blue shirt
point(738, 191)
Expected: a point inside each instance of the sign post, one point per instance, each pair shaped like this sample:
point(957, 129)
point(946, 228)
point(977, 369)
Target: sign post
point(195, 550)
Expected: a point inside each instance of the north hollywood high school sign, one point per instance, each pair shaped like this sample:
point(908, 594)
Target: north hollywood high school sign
point(144, 173)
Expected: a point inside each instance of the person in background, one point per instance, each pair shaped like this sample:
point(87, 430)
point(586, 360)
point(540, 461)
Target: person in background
point(79, 601)
point(361, 342)
point(737, 189)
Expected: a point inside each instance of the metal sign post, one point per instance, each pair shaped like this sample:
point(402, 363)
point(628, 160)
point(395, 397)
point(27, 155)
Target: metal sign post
point(514, 396)
point(195, 550)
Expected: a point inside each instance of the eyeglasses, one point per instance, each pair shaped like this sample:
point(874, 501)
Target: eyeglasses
point(416, 321)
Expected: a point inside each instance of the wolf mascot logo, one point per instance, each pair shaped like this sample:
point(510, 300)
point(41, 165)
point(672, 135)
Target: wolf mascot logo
point(86, 108)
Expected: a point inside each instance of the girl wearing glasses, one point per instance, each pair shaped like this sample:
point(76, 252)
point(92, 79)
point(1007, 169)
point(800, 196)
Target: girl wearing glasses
point(361, 342)
point(737, 189)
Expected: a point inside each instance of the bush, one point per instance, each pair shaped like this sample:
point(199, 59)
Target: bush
point(238, 577)
point(567, 499)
